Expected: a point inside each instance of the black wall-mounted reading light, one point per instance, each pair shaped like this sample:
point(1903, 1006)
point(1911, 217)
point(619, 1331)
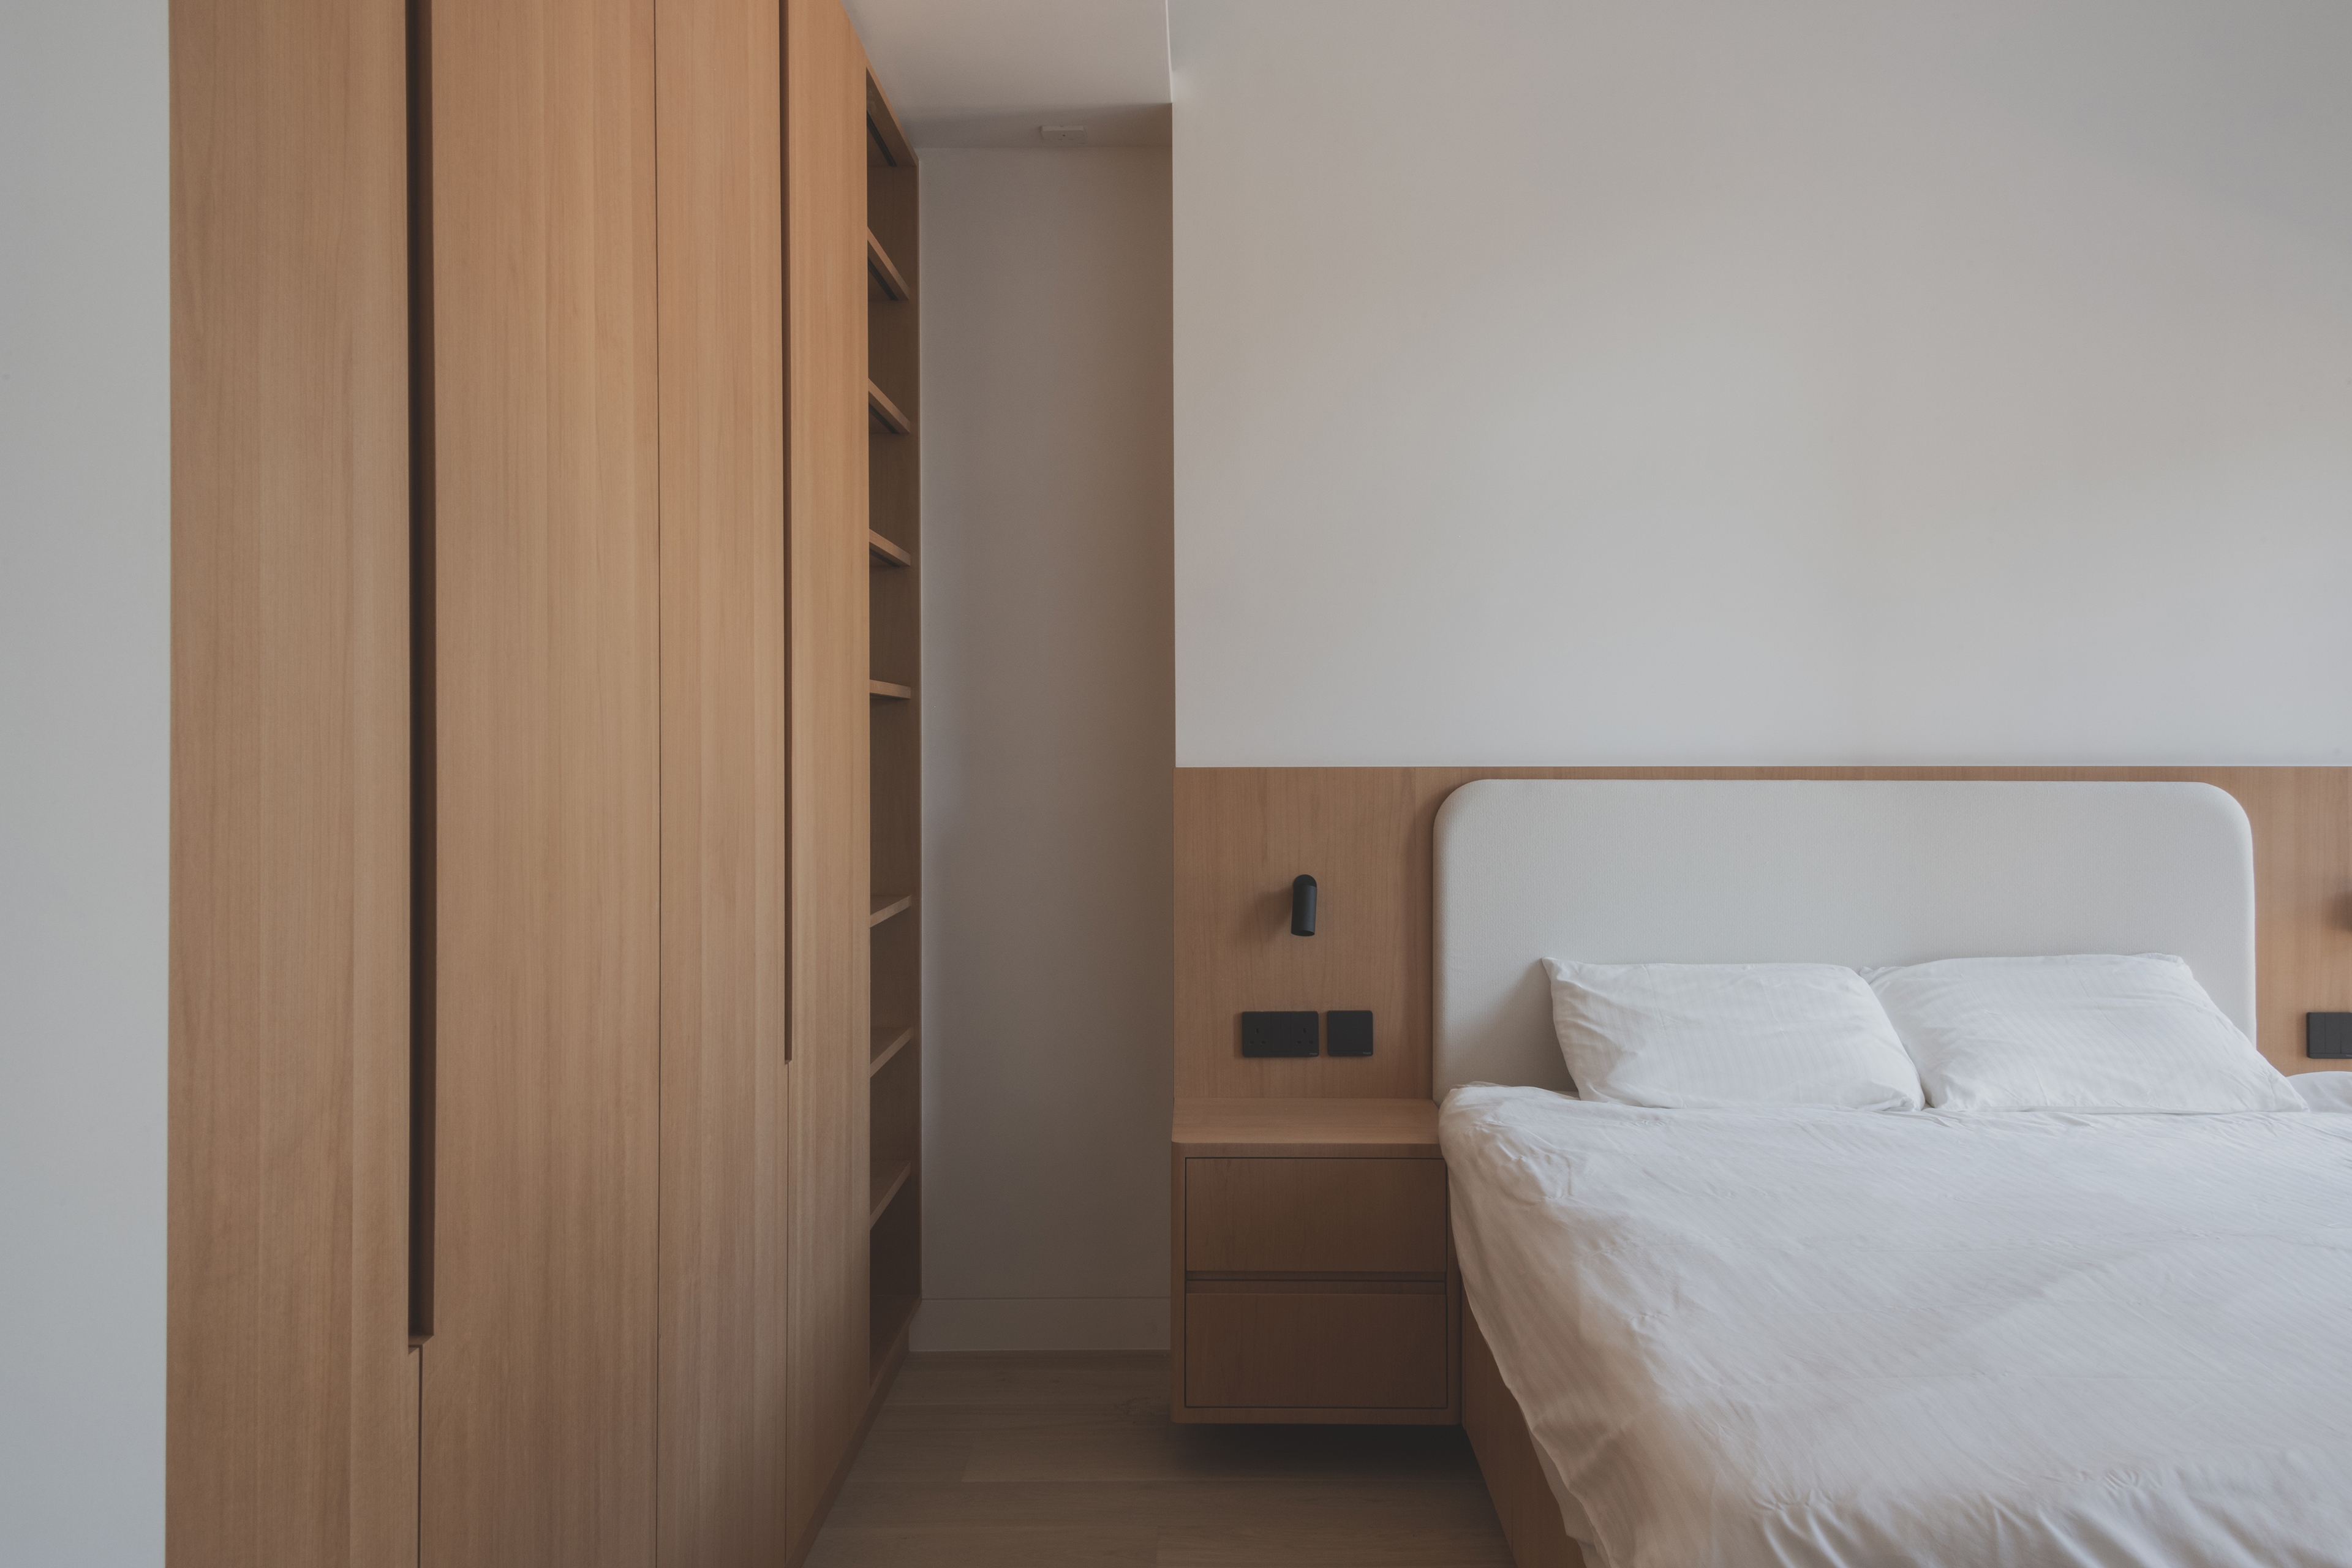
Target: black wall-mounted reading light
point(1302, 906)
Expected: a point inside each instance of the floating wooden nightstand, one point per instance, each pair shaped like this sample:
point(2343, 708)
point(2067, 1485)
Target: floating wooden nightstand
point(1312, 1278)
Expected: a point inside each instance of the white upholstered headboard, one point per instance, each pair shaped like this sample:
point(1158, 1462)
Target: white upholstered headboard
point(1730, 871)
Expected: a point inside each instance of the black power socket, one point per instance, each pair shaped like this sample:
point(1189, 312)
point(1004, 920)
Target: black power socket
point(1278, 1034)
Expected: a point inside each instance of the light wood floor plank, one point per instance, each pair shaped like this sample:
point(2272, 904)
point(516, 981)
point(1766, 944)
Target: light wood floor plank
point(1051, 1459)
point(1096, 1547)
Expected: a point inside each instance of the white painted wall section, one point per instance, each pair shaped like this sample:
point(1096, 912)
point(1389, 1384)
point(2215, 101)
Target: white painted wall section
point(85, 715)
point(967, 75)
point(1047, 750)
point(1609, 382)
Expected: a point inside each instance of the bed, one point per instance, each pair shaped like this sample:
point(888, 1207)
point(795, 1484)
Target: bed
point(1795, 1336)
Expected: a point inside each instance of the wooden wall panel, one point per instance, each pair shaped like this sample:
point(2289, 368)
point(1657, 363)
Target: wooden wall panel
point(540, 1382)
point(825, 227)
point(725, 1223)
point(292, 1403)
point(1242, 834)
point(1353, 830)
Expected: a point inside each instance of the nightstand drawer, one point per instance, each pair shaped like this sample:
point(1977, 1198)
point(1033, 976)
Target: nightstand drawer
point(1272, 1347)
point(1315, 1216)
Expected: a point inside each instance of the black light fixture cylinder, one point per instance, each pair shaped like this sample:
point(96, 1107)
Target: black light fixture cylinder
point(1302, 906)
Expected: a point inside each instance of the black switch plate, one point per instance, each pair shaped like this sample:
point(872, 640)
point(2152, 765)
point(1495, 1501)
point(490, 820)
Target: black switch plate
point(1278, 1034)
point(1352, 1033)
point(2327, 1036)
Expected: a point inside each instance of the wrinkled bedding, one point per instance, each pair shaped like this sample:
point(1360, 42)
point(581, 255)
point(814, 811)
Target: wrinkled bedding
point(1815, 1337)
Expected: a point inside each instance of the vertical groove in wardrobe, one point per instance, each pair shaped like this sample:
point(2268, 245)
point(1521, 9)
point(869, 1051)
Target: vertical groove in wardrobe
point(422, 705)
point(662, 911)
point(790, 718)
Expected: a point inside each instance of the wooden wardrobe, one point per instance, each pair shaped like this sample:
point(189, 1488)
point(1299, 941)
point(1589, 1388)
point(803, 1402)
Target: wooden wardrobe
point(532, 811)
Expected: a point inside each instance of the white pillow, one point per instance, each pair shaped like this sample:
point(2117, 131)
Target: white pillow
point(2324, 1090)
point(2092, 1032)
point(1702, 1035)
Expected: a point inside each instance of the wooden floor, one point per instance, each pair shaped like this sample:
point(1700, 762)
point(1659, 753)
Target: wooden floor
point(1048, 1460)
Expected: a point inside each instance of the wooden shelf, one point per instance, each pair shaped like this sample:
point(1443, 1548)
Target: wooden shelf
point(880, 552)
point(889, 1040)
point(889, 1181)
point(892, 1316)
point(884, 271)
point(885, 412)
point(889, 689)
point(888, 904)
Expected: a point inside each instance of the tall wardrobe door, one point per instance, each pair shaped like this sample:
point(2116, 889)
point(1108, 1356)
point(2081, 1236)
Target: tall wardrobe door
point(825, 105)
point(724, 1076)
point(539, 1400)
point(291, 1407)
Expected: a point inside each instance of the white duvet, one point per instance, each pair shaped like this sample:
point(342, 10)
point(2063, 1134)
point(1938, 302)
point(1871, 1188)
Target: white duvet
point(1840, 1337)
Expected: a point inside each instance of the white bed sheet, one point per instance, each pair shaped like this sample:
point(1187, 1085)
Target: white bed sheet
point(1792, 1336)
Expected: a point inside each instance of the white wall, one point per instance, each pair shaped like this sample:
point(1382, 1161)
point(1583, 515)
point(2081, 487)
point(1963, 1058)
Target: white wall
point(1047, 737)
point(1615, 382)
point(85, 641)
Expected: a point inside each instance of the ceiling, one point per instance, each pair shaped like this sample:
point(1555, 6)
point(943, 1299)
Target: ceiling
point(988, 73)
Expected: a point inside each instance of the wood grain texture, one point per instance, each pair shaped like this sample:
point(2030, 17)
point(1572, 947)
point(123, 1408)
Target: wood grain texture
point(1498, 1433)
point(1242, 834)
point(290, 1411)
point(1273, 1224)
point(539, 1445)
point(825, 334)
point(1328, 1128)
point(1357, 1350)
point(725, 1383)
point(1070, 1461)
point(1325, 1216)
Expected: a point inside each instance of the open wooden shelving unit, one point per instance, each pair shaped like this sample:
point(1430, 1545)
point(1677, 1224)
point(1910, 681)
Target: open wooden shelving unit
point(894, 557)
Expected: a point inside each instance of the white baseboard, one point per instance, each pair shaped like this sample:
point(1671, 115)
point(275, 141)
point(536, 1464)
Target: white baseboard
point(1044, 1323)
